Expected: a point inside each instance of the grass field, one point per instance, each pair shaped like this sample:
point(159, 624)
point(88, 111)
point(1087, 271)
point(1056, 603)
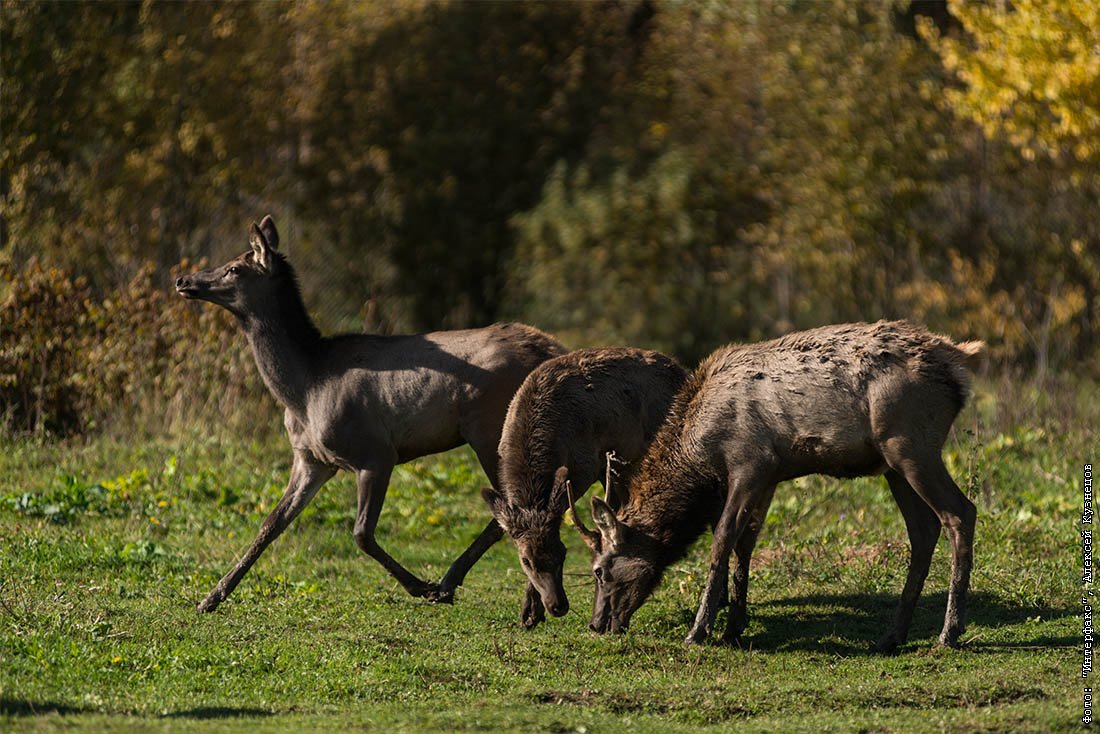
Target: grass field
point(106, 546)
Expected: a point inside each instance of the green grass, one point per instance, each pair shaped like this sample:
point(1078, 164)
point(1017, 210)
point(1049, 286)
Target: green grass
point(105, 548)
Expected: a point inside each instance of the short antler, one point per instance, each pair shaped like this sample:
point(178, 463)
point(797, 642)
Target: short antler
point(611, 496)
point(591, 537)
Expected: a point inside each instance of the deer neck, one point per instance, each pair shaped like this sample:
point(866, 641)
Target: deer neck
point(285, 344)
point(673, 506)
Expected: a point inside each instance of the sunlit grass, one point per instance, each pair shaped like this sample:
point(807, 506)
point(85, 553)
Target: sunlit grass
point(107, 546)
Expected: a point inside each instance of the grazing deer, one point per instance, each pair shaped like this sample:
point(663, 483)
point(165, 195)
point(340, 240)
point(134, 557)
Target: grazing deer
point(571, 413)
point(366, 403)
point(847, 400)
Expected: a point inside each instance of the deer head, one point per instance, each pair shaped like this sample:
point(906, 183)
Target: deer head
point(536, 534)
point(247, 282)
point(625, 567)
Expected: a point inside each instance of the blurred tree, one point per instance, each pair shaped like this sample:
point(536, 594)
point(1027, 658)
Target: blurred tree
point(638, 243)
point(627, 259)
point(663, 173)
point(776, 165)
point(848, 147)
point(53, 59)
point(139, 131)
point(432, 123)
point(781, 165)
point(1030, 74)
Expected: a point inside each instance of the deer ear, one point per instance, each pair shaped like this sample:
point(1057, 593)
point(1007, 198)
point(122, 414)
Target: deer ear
point(260, 248)
point(271, 235)
point(611, 530)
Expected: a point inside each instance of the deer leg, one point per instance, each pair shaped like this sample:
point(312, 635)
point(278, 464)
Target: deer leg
point(745, 493)
point(924, 530)
point(306, 477)
point(725, 534)
point(739, 615)
point(929, 478)
point(456, 574)
point(722, 578)
point(533, 610)
point(373, 484)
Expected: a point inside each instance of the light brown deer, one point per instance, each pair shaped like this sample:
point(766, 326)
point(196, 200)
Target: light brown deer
point(366, 403)
point(847, 400)
point(571, 413)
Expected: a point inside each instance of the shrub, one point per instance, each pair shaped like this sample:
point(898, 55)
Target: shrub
point(70, 362)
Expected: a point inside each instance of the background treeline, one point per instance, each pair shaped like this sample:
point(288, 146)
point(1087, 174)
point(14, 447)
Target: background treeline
point(674, 175)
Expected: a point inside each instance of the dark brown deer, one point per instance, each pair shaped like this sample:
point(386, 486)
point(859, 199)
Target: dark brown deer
point(847, 400)
point(366, 403)
point(569, 414)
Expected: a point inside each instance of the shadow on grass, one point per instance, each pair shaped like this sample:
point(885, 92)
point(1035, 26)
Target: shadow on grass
point(219, 712)
point(18, 707)
point(849, 624)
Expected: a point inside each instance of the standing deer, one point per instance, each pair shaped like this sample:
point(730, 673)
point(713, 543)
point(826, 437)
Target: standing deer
point(569, 415)
point(366, 403)
point(847, 400)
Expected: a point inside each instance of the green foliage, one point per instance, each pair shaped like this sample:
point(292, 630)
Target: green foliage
point(70, 361)
point(794, 164)
point(677, 175)
point(639, 242)
point(589, 252)
point(142, 552)
point(139, 129)
point(70, 499)
point(434, 124)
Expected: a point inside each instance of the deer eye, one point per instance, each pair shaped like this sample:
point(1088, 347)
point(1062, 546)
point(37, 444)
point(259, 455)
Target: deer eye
point(526, 563)
point(598, 573)
point(234, 270)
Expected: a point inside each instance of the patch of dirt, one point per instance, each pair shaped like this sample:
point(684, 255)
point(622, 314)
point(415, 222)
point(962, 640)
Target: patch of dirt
point(616, 703)
point(979, 698)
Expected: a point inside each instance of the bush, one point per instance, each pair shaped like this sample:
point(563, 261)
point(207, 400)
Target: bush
point(70, 362)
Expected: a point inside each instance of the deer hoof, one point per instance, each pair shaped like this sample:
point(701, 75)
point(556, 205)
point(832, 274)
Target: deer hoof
point(532, 612)
point(736, 625)
point(696, 637)
point(437, 595)
point(531, 618)
point(732, 639)
point(209, 604)
point(888, 645)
